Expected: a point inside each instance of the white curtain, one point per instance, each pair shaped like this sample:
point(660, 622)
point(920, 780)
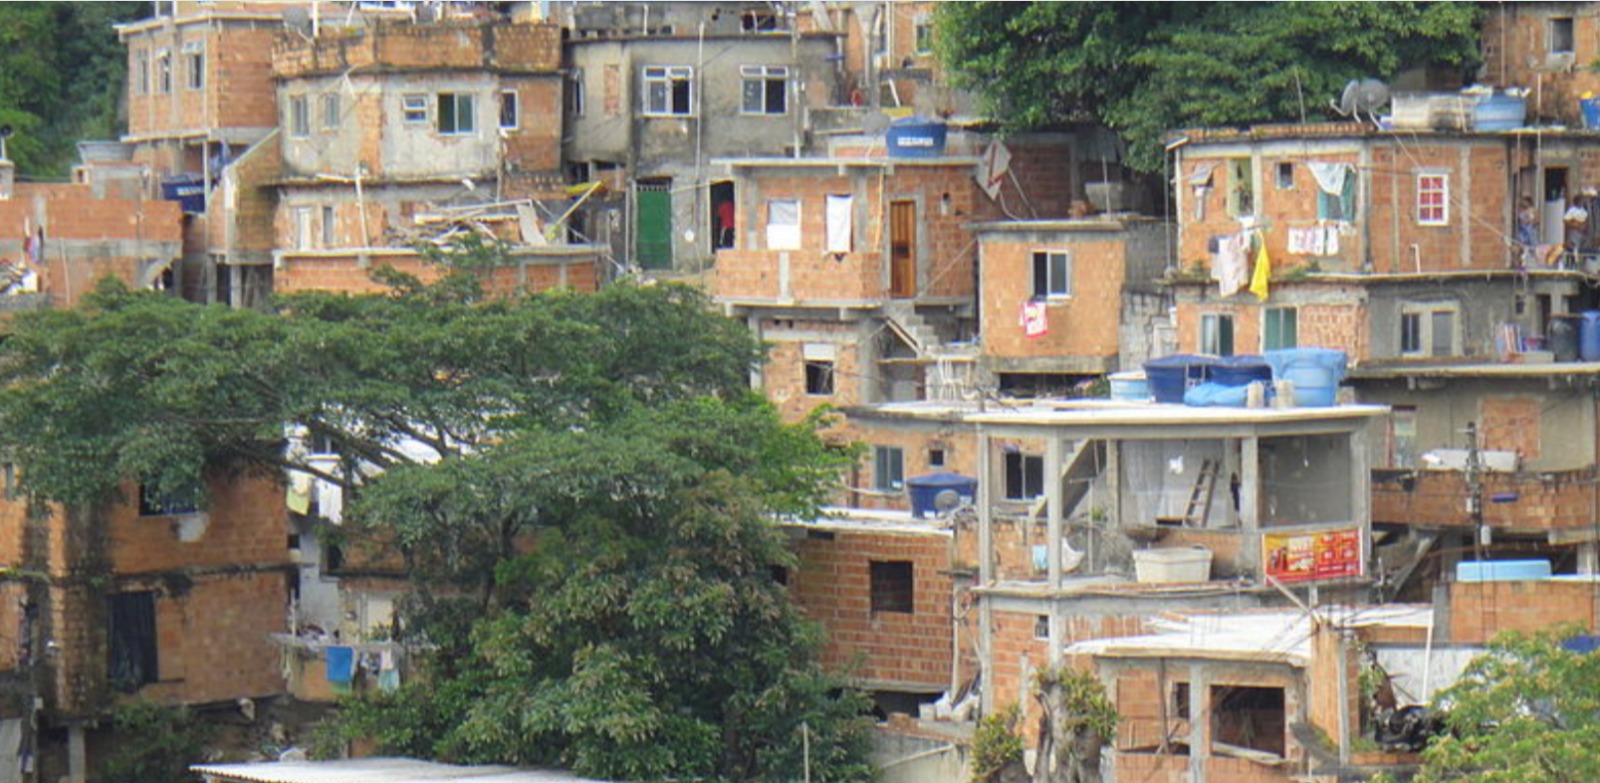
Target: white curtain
point(840, 211)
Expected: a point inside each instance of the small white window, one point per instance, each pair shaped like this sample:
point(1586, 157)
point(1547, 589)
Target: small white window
point(783, 224)
point(163, 71)
point(1052, 274)
point(1216, 334)
point(141, 72)
point(1559, 37)
point(302, 228)
point(766, 89)
point(414, 108)
point(299, 116)
point(575, 93)
point(669, 90)
point(330, 110)
point(328, 226)
point(194, 58)
point(1433, 199)
point(1429, 329)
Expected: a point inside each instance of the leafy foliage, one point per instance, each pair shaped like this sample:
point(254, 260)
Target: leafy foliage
point(1143, 69)
point(157, 744)
point(996, 744)
point(1527, 711)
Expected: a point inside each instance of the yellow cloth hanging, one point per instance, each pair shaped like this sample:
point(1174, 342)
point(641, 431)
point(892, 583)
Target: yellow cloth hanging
point(1263, 271)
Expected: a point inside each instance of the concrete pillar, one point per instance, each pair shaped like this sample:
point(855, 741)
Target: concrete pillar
point(1250, 504)
point(77, 755)
point(985, 635)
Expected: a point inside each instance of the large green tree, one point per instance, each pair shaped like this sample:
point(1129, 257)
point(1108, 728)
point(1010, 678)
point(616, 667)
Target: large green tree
point(1143, 69)
point(583, 485)
point(1528, 711)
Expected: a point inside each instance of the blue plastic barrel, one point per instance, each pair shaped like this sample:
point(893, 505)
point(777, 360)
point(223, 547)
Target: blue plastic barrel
point(916, 137)
point(924, 491)
point(1589, 336)
point(1315, 372)
point(1499, 113)
point(1170, 376)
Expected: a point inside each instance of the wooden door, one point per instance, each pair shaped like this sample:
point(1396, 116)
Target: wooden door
point(902, 249)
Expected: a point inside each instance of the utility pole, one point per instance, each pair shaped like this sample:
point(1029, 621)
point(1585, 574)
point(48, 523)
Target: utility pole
point(1474, 477)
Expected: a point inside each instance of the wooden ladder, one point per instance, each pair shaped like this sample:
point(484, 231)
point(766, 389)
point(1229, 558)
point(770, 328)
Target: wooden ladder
point(1205, 482)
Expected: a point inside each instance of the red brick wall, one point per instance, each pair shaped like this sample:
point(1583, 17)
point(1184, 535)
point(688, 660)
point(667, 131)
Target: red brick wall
point(71, 216)
point(1545, 501)
point(514, 47)
point(238, 91)
point(1514, 54)
point(1512, 424)
point(1084, 324)
point(832, 585)
point(247, 523)
point(783, 378)
point(1345, 325)
point(1479, 610)
point(344, 273)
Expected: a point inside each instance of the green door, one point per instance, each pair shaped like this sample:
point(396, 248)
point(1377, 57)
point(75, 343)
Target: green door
point(653, 225)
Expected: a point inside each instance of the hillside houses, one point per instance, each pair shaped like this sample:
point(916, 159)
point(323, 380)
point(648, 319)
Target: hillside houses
point(961, 299)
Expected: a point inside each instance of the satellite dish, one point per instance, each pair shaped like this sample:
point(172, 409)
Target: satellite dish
point(946, 500)
point(297, 18)
point(875, 122)
point(1362, 96)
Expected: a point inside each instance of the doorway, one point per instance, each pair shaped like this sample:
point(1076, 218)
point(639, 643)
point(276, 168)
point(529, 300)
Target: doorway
point(724, 215)
point(653, 224)
point(902, 249)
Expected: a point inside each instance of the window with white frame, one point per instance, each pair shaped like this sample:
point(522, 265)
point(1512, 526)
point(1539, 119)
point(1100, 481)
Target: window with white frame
point(1559, 38)
point(922, 35)
point(457, 113)
point(163, 71)
point(414, 108)
point(1241, 187)
point(766, 89)
point(330, 110)
point(328, 226)
point(1429, 329)
point(888, 468)
point(510, 113)
point(1433, 198)
point(819, 360)
point(1280, 328)
point(575, 93)
point(141, 72)
point(668, 90)
point(1216, 334)
point(783, 224)
point(1052, 274)
point(299, 116)
point(302, 228)
point(1403, 436)
point(194, 58)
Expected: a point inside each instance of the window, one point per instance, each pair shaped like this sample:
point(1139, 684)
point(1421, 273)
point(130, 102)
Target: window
point(141, 72)
point(328, 226)
point(302, 228)
point(766, 89)
point(1041, 626)
point(922, 35)
point(575, 94)
point(1285, 178)
point(1024, 474)
point(154, 505)
point(1216, 334)
point(1433, 199)
point(510, 117)
point(1428, 330)
point(1052, 274)
point(668, 90)
point(1403, 436)
point(758, 21)
point(840, 213)
point(456, 115)
point(1558, 36)
point(1241, 188)
point(414, 108)
point(783, 224)
point(893, 586)
point(1280, 328)
point(131, 659)
point(299, 116)
point(888, 468)
point(819, 359)
point(330, 110)
point(163, 71)
point(195, 62)
point(1341, 206)
point(1248, 718)
point(935, 458)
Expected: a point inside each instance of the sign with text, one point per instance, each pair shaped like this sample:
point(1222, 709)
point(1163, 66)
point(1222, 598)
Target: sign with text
point(1311, 556)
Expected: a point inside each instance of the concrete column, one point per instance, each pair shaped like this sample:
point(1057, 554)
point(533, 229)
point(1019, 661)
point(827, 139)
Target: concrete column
point(77, 755)
point(1199, 722)
point(985, 635)
point(1250, 504)
point(1052, 509)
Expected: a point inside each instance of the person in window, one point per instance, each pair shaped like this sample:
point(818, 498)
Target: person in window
point(1527, 223)
point(1576, 222)
point(725, 219)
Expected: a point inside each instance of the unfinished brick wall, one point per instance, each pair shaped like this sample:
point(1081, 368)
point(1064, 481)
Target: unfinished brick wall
point(916, 442)
point(1082, 324)
point(346, 273)
point(1516, 53)
point(783, 378)
point(237, 92)
point(1545, 501)
point(1512, 424)
point(523, 48)
point(87, 238)
point(1326, 316)
point(890, 648)
point(1479, 610)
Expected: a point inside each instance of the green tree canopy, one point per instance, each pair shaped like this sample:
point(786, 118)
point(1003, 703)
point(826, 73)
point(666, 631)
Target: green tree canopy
point(1143, 69)
point(1528, 711)
point(583, 486)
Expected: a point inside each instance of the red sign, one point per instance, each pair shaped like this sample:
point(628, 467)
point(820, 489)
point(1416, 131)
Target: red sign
point(1312, 556)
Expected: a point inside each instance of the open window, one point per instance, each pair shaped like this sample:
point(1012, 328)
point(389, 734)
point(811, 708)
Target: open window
point(893, 586)
point(131, 655)
point(1246, 719)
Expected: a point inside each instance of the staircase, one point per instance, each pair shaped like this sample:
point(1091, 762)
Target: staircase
point(953, 364)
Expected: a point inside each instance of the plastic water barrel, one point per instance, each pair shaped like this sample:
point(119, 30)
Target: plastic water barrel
point(1240, 370)
point(1499, 113)
point(916, 137)
point(1563, 337)
point(1589, 336)
point(1170, 376)
point(1129, 386)
point(1315, 373)
point(1591, 112)
point(924, 491)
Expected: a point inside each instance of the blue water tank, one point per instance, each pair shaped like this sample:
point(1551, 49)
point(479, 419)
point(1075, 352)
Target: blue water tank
point(1502, 570)
point(916, 137)
point(1589, 336)
point(1241, 370)
point(1591, 112)
point(924, 491)
point(1500, 113)
point(1315, 372)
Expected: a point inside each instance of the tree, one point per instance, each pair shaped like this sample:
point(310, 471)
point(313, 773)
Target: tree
point(1527, 711)
point(584, 487)
point(1143, 69)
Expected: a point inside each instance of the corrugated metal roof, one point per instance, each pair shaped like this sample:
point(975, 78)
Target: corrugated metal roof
point(378, 770)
